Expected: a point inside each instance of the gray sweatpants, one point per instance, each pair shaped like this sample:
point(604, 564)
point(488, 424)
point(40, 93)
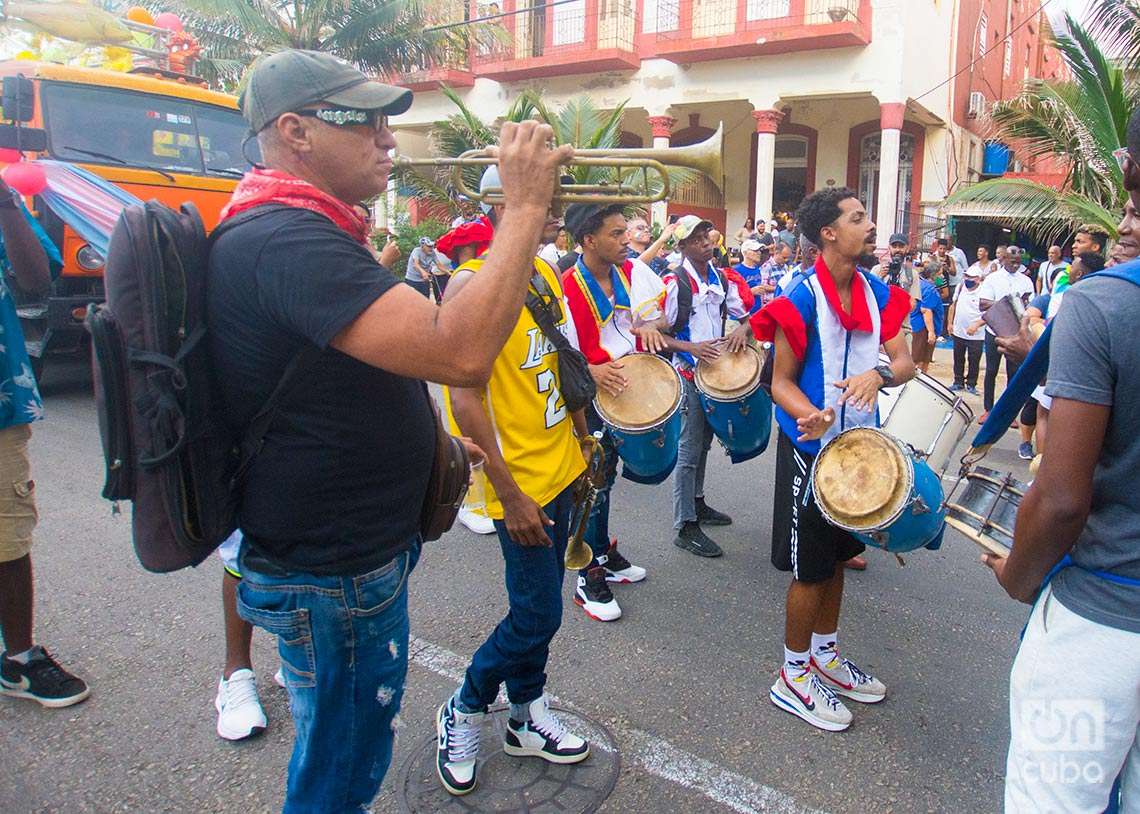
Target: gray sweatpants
point(693, 454)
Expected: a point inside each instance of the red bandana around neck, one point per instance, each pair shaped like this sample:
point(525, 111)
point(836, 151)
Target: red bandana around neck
point(261, 186)
point(860, 317)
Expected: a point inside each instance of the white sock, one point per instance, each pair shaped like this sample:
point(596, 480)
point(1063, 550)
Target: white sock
point(25, 657)
point(824, 647)
point(795, 664)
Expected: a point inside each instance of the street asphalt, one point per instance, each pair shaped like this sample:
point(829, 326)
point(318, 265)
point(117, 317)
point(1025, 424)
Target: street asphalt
point(681, 681)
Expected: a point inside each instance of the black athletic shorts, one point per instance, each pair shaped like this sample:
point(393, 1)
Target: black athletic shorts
point(802, 541)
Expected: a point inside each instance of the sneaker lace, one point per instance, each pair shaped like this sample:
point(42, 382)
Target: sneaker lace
point(616, 561)
point(550, 726)
point(48, 670)
point(824, 693)
point(857, 675)
point(462, 741)
point(241, 692)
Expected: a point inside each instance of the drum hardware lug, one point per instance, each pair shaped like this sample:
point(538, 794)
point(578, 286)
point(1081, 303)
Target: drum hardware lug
point(659, 441)
point(942, 428)
point(881, 538)
point(744, 408)
point(618, 440)
point(901, 561)
point(919, 505)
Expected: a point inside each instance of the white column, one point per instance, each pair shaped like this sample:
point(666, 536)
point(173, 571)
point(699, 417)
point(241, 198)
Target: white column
point(767, 123)
point(662, 127)
point(389, 221)
point(886, 211)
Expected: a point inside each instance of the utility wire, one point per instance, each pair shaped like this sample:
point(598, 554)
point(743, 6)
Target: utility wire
point(1034, 16)
point(551, 4)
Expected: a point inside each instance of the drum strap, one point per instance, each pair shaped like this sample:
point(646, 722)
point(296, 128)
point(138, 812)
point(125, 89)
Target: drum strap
point(685, 299)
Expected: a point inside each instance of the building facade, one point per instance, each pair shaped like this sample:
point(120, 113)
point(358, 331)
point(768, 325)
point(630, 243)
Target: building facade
point(878, 95)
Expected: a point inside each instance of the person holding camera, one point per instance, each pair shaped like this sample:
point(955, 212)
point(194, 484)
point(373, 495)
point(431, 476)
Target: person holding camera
point(898, 270)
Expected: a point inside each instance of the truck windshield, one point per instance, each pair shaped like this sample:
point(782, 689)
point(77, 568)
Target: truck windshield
point(113, 126)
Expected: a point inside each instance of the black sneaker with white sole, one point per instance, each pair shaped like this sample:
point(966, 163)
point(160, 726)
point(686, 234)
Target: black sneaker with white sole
point(544, 736)
point(618, 568)
point(692, 539)
point(42, 680)
point(594, 596)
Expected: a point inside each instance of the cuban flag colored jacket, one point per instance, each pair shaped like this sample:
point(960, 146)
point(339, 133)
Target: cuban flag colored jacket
point(830, 343)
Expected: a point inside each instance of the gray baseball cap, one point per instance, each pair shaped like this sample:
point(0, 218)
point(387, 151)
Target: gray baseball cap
point(290, 80)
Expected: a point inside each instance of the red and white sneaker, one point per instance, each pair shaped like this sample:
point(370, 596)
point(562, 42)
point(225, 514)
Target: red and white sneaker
point(805, 696)
point(844, 678)
point(618, 568)
point(594, 596)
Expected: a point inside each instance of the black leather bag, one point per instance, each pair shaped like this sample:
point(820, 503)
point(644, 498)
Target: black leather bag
point(447, 486)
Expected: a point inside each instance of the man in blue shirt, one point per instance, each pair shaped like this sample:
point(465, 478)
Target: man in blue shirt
point(925, 322)
point(749, 269)
point(30, 260)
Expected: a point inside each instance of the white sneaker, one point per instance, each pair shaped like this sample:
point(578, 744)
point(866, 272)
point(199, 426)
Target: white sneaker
point(457, 747)
point(544, 736)
point(806, 697)
point(618, 568)
point(844, 678)
point(594, 596)
point(476, 521)
point(239, 709)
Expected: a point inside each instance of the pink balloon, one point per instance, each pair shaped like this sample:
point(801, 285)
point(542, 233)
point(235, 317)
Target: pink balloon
point(25, 178)
point(168, 20)
point(9, 156)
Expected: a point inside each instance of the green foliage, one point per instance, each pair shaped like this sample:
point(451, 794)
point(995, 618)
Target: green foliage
point(384, 37)
point(1081, 123)
point(408, 238)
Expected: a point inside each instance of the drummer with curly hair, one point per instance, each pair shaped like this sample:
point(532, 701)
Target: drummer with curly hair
point(827, 328)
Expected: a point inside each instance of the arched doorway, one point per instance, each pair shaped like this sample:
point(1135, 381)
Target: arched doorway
point(869, 157)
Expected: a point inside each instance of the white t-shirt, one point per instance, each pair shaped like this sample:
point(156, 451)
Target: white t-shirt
point(967, 310)
point(551, 254)
point(960, 264)
point(985, 268)
point(704, 321)
point(1046, 272)
point(1002, 282)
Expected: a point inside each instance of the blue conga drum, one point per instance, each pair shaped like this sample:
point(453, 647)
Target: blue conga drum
point(873, 485)
point(738, 409)
point(645, 418)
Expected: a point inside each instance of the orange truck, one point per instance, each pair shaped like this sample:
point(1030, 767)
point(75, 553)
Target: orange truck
point(155, 133)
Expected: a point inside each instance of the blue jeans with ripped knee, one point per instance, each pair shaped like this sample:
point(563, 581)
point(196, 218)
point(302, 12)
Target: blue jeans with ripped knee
point(343, 643)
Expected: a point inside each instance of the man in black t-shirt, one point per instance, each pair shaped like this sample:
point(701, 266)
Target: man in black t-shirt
point(331, 504)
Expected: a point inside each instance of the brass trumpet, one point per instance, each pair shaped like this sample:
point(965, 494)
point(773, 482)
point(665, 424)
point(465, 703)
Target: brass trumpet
point(578, 554)
point(705, 157)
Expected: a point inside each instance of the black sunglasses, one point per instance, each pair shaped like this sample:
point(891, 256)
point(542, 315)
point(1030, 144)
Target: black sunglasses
point(347, 117)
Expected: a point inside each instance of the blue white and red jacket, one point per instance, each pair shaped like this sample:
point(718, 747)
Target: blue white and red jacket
point(830, 343)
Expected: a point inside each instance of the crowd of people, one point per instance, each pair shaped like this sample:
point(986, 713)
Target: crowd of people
point(330, 538)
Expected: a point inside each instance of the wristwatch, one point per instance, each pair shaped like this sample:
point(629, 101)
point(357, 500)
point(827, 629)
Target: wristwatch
point(887, 374)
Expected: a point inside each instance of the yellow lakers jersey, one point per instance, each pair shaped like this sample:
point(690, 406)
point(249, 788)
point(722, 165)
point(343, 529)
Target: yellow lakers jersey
point(526, 409)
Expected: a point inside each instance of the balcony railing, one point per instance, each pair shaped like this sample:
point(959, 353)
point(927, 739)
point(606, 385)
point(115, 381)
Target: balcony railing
point(452, 68)
point(696, 30)
point(538, 41)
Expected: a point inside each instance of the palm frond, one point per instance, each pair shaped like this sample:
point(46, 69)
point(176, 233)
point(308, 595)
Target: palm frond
point(1116, 23)
point(1042, 211)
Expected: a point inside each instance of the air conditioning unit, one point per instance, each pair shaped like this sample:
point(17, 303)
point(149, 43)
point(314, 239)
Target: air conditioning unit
point(977, 106)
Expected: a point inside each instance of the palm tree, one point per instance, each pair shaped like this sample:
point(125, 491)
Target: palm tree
point(1117, 24)
point(384, 37)
point(578, 122)
point(1078, 123)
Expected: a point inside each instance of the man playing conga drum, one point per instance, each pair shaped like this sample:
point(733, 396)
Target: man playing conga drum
point(608, 295)
point(827, 329)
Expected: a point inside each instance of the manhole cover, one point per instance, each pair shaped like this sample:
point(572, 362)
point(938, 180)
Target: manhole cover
point(511, 784)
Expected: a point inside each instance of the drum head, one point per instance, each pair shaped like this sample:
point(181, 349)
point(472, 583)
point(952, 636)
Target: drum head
point(859, 478)
point(653, 393)
point(731, 375)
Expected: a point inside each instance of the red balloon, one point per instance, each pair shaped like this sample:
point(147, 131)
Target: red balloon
point(9, 156)
point(25, 178)
point(169, 21)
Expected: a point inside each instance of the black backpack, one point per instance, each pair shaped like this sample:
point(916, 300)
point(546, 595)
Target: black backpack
point(166, 444)
point(685, 300)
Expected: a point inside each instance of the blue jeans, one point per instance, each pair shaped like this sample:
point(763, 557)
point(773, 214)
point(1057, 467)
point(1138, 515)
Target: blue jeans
point(517, 649)
point(692, 458)
point(343, 643)
point(598, 529)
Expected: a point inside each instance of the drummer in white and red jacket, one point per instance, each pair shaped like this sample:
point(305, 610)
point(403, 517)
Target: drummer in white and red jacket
point(699, 336)
point(614, 303)
point(827, 328)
